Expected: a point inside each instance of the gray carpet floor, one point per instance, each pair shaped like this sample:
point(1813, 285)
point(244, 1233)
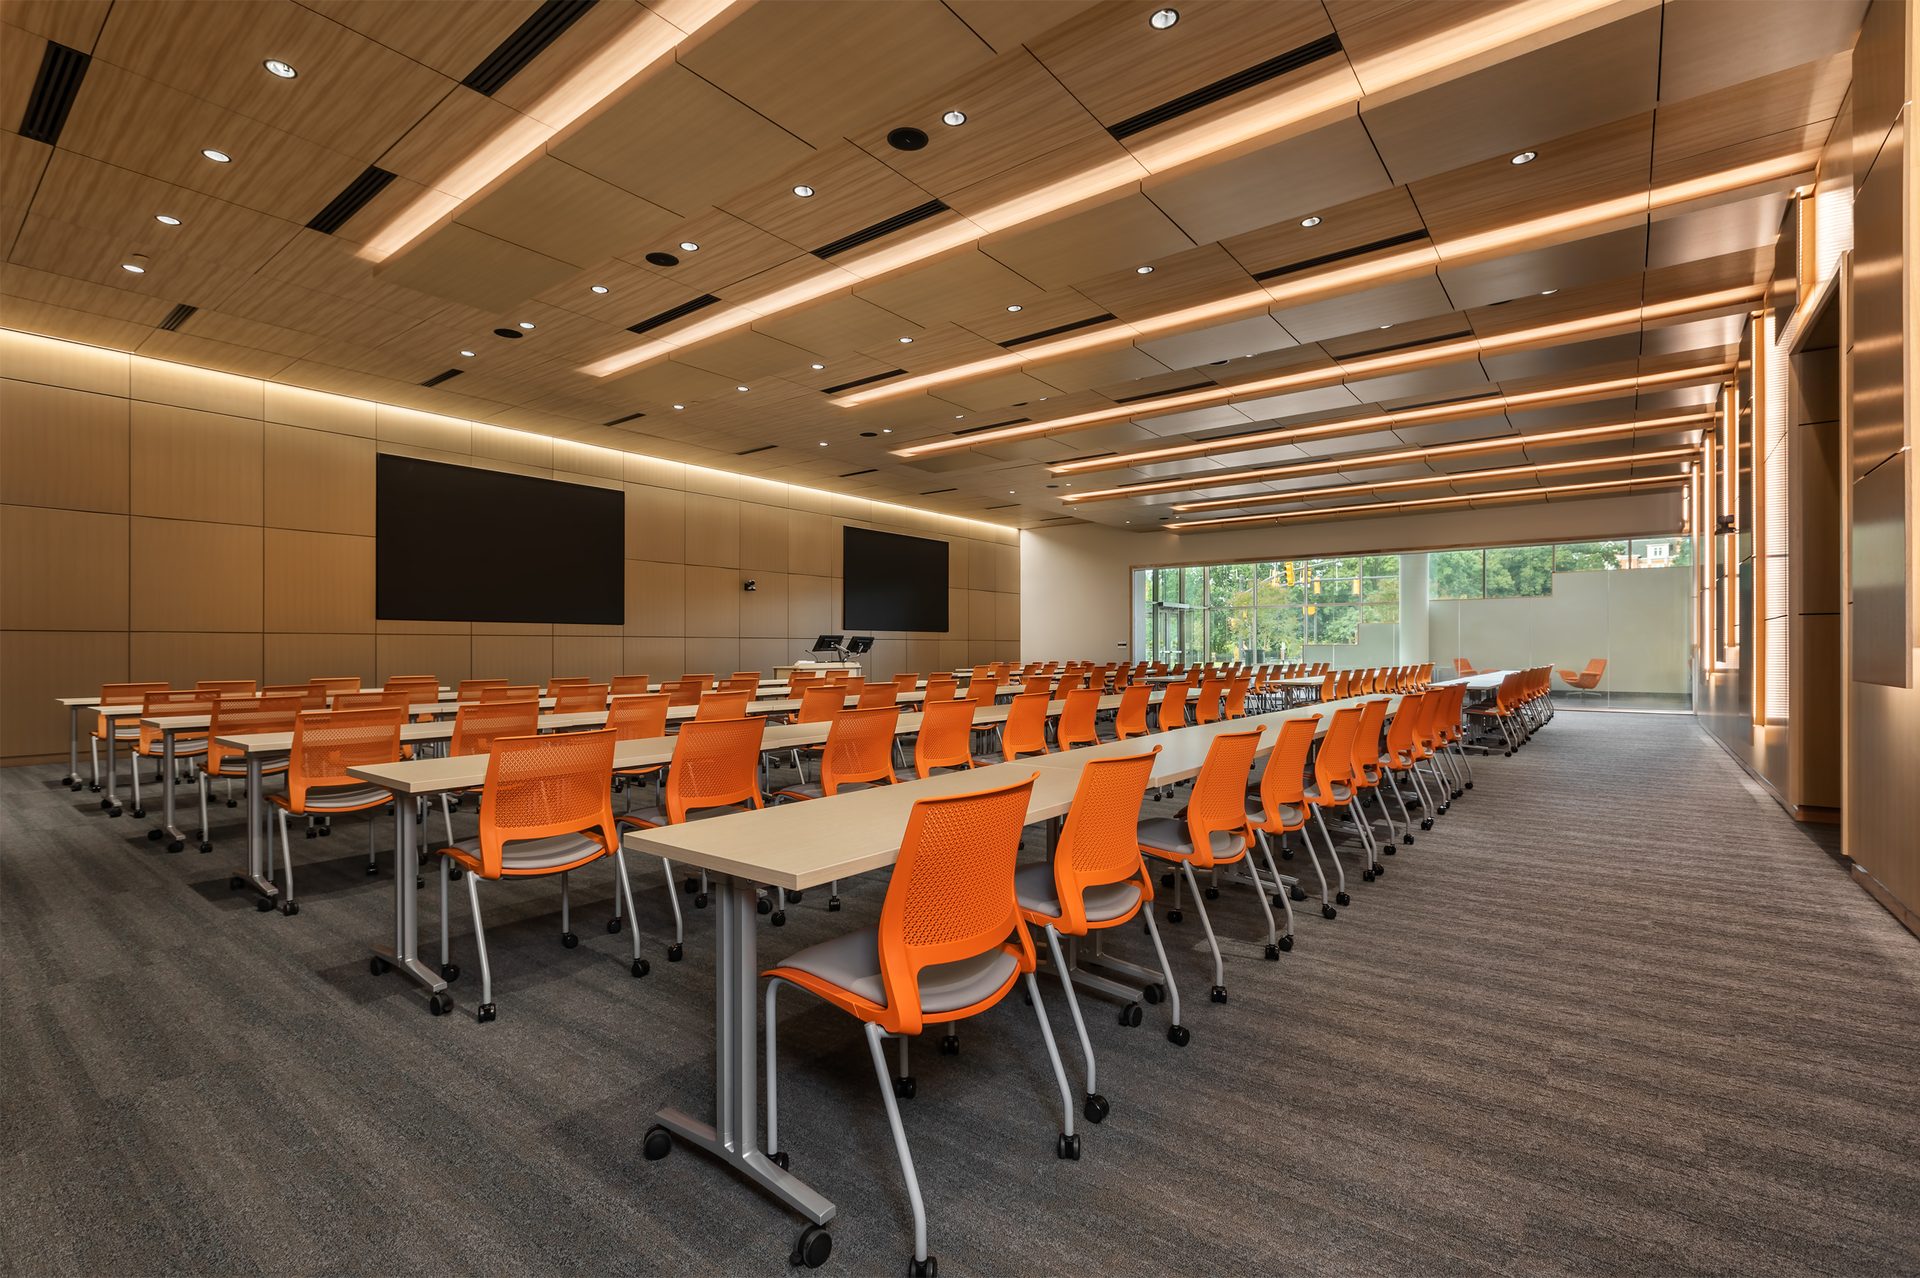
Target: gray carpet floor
point(1615, 1014)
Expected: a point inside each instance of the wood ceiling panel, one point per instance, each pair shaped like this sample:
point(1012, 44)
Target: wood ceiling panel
point(761, 293)
point(290, 305)
point(852, 191)
point(1570, 265)
point(998, 392)
point(138, 124)
point(25, 284)
point(1434, 328)
point(1559, 361)
point(1805, 141)
point(1127, 231)
point(234, 331)
point(1222, 341)
point(831, 69)
point(1342, 230)
point(1006, 26)
point(451, 38)
point(959, 285)
point(745, 356)
point(466, 266)
point(939, 347)
point(353, 95)
point(1368, 309)
point(1272, 185)
point(601, 25)
point(1036, 315)
point(64, 249)
point(203, 353)
point(74, 23)
point(640, 142)
point(328, 265)
point(1721, 228)
point(1570, 172)
point(461, 123)
point(1103, 370)
point(565, 213)
point(1780, 103)
point(20, 55)
point(837, 325)
point(632, 294)
point(1007, 199)
point(74, 325)
point(1118, 65)
point(1709, 44)
point(1197, 276)
point(730, 251)
point(22, 163)
point(670, 382)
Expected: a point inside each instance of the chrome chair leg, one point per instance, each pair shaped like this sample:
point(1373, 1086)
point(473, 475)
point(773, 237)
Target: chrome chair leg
point(480, 940)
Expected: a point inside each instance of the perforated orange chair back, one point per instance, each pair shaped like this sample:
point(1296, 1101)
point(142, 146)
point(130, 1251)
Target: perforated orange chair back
point(982, 672)
point(946, 737)
point(1078, 719)
point(476, 725)
point(335, 683)
point(241, 687)
point(1234, 706)
point(854, 685)
point(244, 716)
point(180, 701)
point(1071, 683)
point(1219, 797)
point(1461, 666)
point(859, 748)
point(723, 705)
point(906, 683)
point(510, 692)
point(328, 742)
point(630, 685)
point(123, 694)
point(877, 695)
point(1025, 731)
point(750, 677)
point(1329, 687)
point(398, 699)
point(1130, 720)
point(1400, 734)
point(309, 698)
point(820, 705)
point(1283, 784)
point(638, 716)
point(1100, 842)
point(707, 680)
point(748, 683)
point(1334, 763)
point(941, 687)
point(470, 689)
point(983, 689)
point(951, 895)
point(1207, 708)
point(1366, 741)
point(541, 786)
point(1426, 674)
point(685, 692)
point(577, 698)
point(716, 764)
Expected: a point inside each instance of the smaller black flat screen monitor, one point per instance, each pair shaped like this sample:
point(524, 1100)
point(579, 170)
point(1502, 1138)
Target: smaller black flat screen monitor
point(461, 543)
point(859, 644)
point(827, 643)
point(893, 582)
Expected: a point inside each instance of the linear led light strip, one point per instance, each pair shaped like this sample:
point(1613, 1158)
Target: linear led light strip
point(648, 39)
point(1394, 507)
point(1403, 264)
point(1457, 477)
point(1384, 421)
point(1440, 353)
point(1365, 461)
point(1521, 24)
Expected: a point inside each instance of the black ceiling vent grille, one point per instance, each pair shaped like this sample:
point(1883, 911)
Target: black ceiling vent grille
point(176, 317)
point(630, 417)
point(673, 313)
point(1404, 346)
point(862, 381)
point(1005, 505)
point(1358, 250)
point(1171, 390)
point(758, 448)
point(1011, 421)
point(871, 470)
point(547, 24)
point(898, 222)
point(447, 376)
point(1055, 331)
point(54, 89)
point(356, 195)
point(935, 492)
point(1272, 69)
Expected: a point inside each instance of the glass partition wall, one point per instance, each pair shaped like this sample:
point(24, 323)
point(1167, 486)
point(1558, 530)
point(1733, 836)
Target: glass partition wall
point(1611, 617)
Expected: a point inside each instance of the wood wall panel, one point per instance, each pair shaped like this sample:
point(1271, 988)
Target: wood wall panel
point(191, 464)
point(318, 480)
point(33, 661)
point(62, 447)
point(40, 548)
point(180, 657)
point(318, 582)
point(193, 576)
point(293, 658)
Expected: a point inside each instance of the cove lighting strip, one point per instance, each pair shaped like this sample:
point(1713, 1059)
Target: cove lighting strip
point(1439, 353)
point(1483, 406)
point(1396, 507)
point(1524, 23)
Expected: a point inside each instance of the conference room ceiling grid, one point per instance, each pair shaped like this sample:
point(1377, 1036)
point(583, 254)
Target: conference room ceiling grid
point(1149, 276)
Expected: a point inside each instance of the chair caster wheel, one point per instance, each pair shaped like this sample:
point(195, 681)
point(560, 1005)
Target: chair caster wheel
point(153, 836)
point(833, 905)
point(1179, 1035)
point(1297, 894)
point(233, 803)
point(487, 1012)
point(1154, 992)
point(1131, 1015)
point(205, 846)
point(1068, 1147)
point(641, 967)
point(1407, 839)
point(140, 812)
point(1218, 993)
point(235, 883)
point(1273, 951)
point(1174, 916)
point(690, 885)
point(905, 1087)
point(441, 1004)
point(765, 906)
point(1096, 1108)
point(795, 898)
point(675, 952)
point(928, 1268)
point(1286, 944)
point(1388, 850)
point(1286, 854)
point(1166, 881)
point(1213, 894)
point(177, 845)
point(289, 908)
point(1379, 870)
point(815, 1244)
point(454, 873)
point(614, 925)
point(1341, 898)
point(779, 918)
point(113, 812)
point(264, 904)
point(950, 1045)
point(377, 966)
point(1426, 823)
point(372, 871)
point(1327, 912)
point(1469, 785)
point(782, 1160)
point(657, 1145)
point(449, 971)
point(699, 900)
point(1366, 876)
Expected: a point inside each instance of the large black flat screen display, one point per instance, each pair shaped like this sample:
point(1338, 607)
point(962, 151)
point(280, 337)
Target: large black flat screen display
point(892, 582)
point(456, 543)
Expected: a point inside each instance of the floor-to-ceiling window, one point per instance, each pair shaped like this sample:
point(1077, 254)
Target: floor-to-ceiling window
point(1341, 610)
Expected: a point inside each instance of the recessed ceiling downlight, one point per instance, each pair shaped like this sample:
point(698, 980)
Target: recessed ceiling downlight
point(1163, 18)
point(166, 220)
point(954, 119)
point(688, 246)
point(218, 157)
point(596, 288)
point(1310, 222)
point(282, 69)
point(803, 191)
point(1525, 157)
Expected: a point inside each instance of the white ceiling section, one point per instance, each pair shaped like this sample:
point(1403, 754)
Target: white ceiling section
point(1106, 259)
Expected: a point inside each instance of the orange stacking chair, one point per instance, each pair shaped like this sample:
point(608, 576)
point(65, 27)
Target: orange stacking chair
point(747, 682)
point(1461, 668)
point(1025, 731)
point(399, 699)
point(1333, 787)
point(722, 705)
point(1452, 733)
point(126, 731)
point(1214, 833)
point(1279, 808)
point(704, 681)
point(309, 699)
point(1234, 706)
point(630, 685)
point(1432, 751)
point(941, 687)
point(247, 687)
point(331, 684)
point(949, 945)
point(852, 685)
point(817, 705)
point(1130, 720)
point(470, 689)
point(510, 692)
point(555, 684)
point(715, 770)
point(877, 695)
point(1329, 686)
point(983, 689)
point(581, 698)
point(419, 688)
point(1406, 749)
point(1503, 712)
point(945, 739)
point(476, 727)
point(238, 716)
point(545, 809)
point(638, 717)
point(685, 691)
point(1367, 770)
point(1078, 724)
point(905, 682)
point(150, 744)
point(858, 754)
point(1098, 881)
point(325, 744)
point(1212, 692)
